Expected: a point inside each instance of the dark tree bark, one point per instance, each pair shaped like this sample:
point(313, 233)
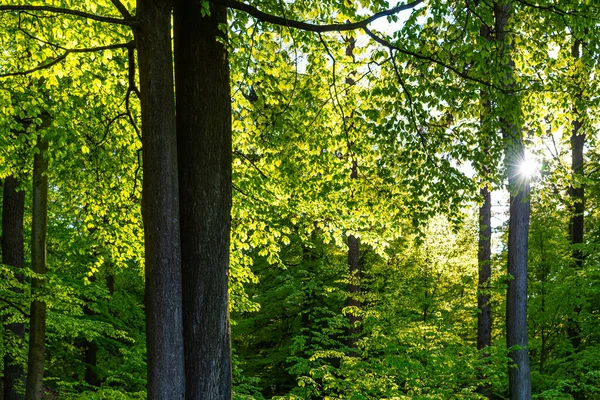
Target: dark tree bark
point(354, 273)
point(518, 224)
point(484, 255)
point(204, 149)
point(13, 254)
point(577, 194)
point(484, 318)
point(160, 204)
point(37, 326)
point(354, 270)
point(90, 352)
point(577, 190)
point(516, 302)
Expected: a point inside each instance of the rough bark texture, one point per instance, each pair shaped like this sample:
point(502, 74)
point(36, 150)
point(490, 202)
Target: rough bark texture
point(160, 204)
point(13, 254)
point(37, 326)
point(204, 151)
point(516, 302)
point(518, 225)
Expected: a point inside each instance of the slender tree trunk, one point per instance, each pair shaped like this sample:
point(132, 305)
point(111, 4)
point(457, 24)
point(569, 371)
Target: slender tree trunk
point(518, 225)
point(354, 268)
point(576, 192)
point(204, 149)
point(354, 272)
point(160, 204)
point(13, 254)
point(484, 255)
point(37, 329)
point(484, 318)
point(90, 352)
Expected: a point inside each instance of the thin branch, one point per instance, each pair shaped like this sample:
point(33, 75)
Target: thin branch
point(67, 11)
point(236, 188)
point(122, 9)
point(587, 11)
point(136, 173)
point(418, 130)
point(306, 26)
point(129, 114)
point(63, 56)
point(35, 37)
point(252, 163)
point(132, 89)
point(16, 307)
point(458, 72)
point(335, 97)
point(108, 126)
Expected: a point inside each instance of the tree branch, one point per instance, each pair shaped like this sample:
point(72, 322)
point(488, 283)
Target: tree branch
point(16, 307)
point(122, 9)
point(67, 11)
point(277, 20)
point(458, 72)
point(63, 56)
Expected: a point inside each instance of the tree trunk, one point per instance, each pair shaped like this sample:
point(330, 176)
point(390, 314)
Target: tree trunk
point(516, 302)
point(484, 255)
point(160, 204)
point(518, 224)
point(354, 273)
point(484, 318)
point(90, 352)
point(354, 270)
point(13, 254)
point(37, 329)
point(204, 149)
point(576, 192)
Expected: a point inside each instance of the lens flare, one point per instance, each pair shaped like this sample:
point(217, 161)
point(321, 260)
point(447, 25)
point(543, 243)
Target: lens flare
point(529, 168)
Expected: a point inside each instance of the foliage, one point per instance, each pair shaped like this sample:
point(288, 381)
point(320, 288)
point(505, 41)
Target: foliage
point(415, 108)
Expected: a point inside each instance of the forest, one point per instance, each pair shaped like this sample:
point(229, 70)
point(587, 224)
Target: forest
point(299, 199)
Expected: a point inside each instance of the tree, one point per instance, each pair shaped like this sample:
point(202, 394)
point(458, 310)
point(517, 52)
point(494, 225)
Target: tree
point(204, 139)
point(37, 323)
point(414, 113)
point(13, 254)
point(160, 202)
point(484, 255)
point(518, 225)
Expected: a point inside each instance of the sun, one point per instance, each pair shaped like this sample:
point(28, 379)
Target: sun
point(529, 168)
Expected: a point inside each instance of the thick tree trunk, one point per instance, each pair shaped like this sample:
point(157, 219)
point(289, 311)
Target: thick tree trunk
point(204, 149)
point(160, 204)
point(518, 225)
point(13, 254)
point(37, 329)
point(516, 302)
